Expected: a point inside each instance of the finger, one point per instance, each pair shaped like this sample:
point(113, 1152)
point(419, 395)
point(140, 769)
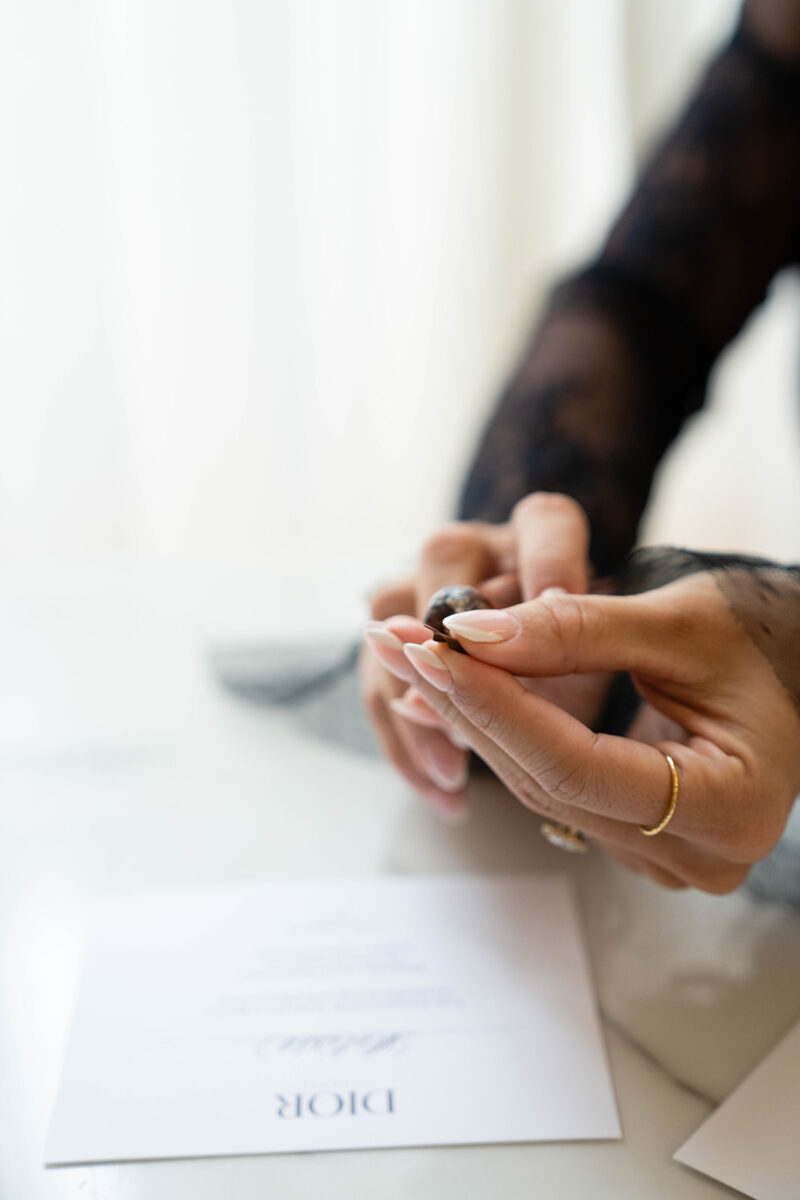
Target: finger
point(405, 630)
point(552, 537)
point(462, 553)
point(429, 751)
point(434, 755)
point(432, 752)
point(377, 689)
point(668, 855)
point(427, 719)
point(408, 629)
point(450, 805)
point(387, 638)
point(666, 633)
point(388, 599)
point(582, 696)
point(689, 863)
point(502, 590)
point(388, 648)
point(411, 706)
point(427, 744)
point(617, 778)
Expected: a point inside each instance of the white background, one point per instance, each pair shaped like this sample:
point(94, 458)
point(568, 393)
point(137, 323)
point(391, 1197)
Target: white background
point(264, 264)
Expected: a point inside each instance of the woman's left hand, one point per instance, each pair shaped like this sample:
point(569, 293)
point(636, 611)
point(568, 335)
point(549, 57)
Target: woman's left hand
point(735, 731)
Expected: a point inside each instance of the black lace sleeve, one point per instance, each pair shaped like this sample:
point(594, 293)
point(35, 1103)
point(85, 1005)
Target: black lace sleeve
point(763, 596)
point(623, 354)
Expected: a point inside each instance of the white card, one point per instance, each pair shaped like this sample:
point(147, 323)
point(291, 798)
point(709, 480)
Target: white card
point(752, 1141)
point(334, 1015)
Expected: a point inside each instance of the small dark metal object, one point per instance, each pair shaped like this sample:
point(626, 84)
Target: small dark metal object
point(446, 602)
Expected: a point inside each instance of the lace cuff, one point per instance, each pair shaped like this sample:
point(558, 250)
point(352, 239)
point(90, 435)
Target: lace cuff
point(763, 596)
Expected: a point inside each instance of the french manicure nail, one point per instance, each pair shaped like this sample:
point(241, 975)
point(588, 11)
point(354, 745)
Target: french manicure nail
point(429, 665)
point(415, 713)
point(445, 765)
point(429, 720)
point(378, 635)
point(482, 625)
point(388, 649)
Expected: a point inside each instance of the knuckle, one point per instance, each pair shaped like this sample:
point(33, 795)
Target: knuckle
point(532, 798)
point(572, 625)
point(541, 505)
point(451, 543)
point(722, 880)
point(563, 781)
point(524, 788)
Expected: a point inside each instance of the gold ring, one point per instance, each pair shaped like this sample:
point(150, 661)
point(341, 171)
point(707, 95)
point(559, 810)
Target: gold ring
point(673, 800)
point(565, 837)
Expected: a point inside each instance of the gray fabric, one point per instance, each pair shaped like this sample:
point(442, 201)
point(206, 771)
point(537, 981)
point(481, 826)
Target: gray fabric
point(315, 684)
point(777, 878)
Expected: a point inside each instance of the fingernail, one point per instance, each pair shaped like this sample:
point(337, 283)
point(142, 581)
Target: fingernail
point(421, 714)
point(388, 649)
point(445, 765)
point(415, 713)
point(378, 635)
point(429, 665)
point(552, 591)
point(482, 625)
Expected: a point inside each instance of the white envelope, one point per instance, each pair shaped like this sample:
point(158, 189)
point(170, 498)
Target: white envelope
point(752, 1141)
point(333, 1015)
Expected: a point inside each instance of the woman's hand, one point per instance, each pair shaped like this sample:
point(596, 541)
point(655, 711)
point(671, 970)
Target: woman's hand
point(735, 739)
point(542, 548)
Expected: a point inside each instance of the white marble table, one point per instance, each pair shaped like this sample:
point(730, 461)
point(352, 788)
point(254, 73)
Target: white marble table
point(123, 768)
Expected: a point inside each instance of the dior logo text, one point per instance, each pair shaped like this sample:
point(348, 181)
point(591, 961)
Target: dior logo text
point(378, 1102)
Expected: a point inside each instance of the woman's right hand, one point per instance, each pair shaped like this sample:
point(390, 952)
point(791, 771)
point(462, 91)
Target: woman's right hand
point(543, 546)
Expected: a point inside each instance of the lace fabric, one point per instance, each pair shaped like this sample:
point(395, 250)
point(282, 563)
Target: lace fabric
point(763, 596)
point(625, 348)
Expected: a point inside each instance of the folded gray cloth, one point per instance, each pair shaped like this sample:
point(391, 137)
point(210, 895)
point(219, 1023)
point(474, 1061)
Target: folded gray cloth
point(777, 877)
point(315, 683)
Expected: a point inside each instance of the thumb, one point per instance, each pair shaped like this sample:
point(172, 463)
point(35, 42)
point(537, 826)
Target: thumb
point(551, 533)
point(567, 634)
